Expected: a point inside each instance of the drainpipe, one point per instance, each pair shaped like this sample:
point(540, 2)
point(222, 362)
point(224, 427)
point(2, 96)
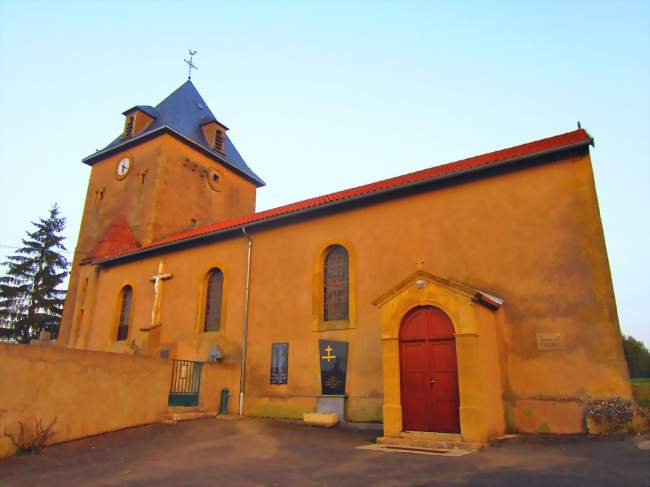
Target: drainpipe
point(242, 370)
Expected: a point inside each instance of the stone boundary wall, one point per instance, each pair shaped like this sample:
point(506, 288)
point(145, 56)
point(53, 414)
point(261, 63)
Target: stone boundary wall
point(87, 392)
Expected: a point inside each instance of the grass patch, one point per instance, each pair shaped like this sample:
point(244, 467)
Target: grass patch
point(641, 391)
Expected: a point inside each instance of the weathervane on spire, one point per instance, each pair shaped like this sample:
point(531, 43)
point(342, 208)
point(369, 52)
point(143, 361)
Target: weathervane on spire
point(190, 64)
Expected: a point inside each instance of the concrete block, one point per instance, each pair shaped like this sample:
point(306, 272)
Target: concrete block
point(325, 420)
point(332, 404)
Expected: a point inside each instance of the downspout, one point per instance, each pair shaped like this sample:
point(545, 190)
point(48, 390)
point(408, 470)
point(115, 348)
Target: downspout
point(242, 370)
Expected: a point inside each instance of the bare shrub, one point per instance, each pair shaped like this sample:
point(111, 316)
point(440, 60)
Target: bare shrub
point(29, 444)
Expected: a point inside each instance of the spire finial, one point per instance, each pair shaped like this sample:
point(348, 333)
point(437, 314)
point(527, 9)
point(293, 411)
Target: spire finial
point(190, 65)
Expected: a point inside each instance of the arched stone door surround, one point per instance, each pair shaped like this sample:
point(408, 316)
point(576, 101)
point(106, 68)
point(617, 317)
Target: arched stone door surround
point(474, 315)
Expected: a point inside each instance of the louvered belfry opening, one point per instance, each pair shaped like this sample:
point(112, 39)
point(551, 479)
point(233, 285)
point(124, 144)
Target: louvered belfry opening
point(218, 141)
point(128, 126)
point(214, 291)
point(125, 312)
point(336, 289)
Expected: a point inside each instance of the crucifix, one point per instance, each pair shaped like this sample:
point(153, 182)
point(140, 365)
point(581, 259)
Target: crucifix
point(190, 65)
point(158, 278)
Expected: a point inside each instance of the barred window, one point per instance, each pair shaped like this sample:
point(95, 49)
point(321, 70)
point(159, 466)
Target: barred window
point(125, 313)
point(212, 321)
point(336, 284)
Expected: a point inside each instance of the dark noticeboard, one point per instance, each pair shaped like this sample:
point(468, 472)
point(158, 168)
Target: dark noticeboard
point(279, 363)
point(333, 366)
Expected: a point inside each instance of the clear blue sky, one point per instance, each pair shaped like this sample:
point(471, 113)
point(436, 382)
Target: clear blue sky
point(315, 90)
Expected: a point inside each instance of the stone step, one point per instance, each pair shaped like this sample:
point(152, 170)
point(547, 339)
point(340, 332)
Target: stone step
point(431, 435)
point(454, 452)
point(174, 417)
point(432, 442)
point(183, 409)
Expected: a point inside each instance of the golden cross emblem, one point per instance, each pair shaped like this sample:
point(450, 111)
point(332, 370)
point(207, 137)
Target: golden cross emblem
point(329, 355)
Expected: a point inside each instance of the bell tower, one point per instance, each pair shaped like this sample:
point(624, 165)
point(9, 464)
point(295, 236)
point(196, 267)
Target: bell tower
point(173, 168)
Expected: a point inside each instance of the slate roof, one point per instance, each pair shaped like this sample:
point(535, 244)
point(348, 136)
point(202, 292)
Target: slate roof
point(181, 114)
point(513, 155)
point(149, 110)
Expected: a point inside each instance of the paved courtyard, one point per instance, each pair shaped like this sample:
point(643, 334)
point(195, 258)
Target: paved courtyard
point(264, 452)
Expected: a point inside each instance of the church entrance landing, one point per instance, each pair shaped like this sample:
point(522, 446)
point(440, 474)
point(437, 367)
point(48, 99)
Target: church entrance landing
point(429, 372)
point(440, 361)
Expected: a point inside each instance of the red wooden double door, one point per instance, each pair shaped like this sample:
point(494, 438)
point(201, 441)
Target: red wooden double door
point(429, 372)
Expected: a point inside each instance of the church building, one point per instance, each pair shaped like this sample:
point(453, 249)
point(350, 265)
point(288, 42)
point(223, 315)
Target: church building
point(470, 298)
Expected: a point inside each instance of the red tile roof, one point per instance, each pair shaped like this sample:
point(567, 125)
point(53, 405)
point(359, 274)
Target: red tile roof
point(117, 240)
point(556, 143)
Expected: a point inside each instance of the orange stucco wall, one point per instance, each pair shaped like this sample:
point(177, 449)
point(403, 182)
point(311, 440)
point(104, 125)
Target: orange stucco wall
point(531, 236)
point(181, 319)
point(165, 192)
point(214, 378)
point(88, 393)
point(185, 194)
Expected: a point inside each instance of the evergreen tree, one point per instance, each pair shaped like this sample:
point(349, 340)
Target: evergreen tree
point(30, 298)
point(637, 356)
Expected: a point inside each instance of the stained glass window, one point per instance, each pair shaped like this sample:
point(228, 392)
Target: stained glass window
point(213, 297)
point(336, 285)
point(125, 313)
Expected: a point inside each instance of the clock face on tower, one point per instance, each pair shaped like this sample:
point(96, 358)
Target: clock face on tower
point(123, 167)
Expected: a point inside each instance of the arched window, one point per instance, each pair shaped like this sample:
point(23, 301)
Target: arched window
point(214, 292)
point(125, 313)
point(336, 296)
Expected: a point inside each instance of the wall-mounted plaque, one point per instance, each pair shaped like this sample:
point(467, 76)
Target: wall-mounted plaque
point(550, 341)
point(333, 366)
point(279, 363)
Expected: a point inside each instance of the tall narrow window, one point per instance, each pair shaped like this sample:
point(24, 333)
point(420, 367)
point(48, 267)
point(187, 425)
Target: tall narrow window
point(125, 313)
point(213, 297)
point(128, 126)
point(336, 295)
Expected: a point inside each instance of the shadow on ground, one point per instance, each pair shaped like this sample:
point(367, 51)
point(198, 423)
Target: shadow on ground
point(265, 452)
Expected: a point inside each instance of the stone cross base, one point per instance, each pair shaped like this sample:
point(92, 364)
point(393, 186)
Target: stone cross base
point(44, 339)
point(332, 404)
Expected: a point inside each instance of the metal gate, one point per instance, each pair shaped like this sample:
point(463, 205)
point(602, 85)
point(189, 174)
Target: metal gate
point(186, 383)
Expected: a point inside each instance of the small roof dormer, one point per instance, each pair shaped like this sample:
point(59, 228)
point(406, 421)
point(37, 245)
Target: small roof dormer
point(185, 116)
point(214, 133)
point(137, 119)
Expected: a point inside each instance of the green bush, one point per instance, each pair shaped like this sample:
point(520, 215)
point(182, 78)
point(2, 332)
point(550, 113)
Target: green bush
point(637, 356)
